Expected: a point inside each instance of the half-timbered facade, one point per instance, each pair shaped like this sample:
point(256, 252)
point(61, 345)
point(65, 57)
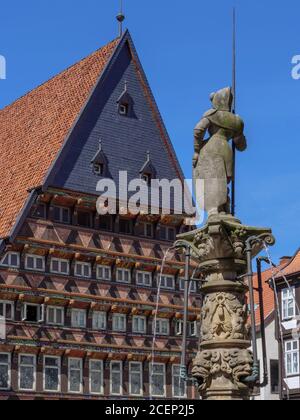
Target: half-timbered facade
point(78, 291)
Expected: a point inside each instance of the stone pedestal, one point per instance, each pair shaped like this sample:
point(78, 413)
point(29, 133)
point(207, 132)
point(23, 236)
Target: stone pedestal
point(224, 359)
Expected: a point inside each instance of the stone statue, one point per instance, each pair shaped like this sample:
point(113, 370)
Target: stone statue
point(213, 158)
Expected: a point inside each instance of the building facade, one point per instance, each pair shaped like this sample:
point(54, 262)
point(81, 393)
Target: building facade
point(78, 290)
point(287, 292)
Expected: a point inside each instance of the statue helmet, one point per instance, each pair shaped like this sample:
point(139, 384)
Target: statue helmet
point(222, 100)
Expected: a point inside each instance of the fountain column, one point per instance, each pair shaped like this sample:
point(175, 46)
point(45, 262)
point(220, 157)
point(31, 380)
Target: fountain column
point(224, 363)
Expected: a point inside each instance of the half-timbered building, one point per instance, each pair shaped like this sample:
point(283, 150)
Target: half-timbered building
point(78, 291)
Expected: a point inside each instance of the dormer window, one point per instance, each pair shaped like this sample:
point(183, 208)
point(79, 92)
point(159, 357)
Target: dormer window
point(98, 169)
point(123, 109)
point(125, 103)
point(99, 162)
point(147, 179)
point(148, 171)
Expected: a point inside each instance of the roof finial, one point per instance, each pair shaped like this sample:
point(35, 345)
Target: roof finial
point(120, 19)
point(100, 144)
point(148, 156)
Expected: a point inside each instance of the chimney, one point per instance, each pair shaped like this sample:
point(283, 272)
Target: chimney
point(285, 260)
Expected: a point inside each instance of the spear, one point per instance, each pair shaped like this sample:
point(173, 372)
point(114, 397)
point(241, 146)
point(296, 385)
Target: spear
point(233, 110)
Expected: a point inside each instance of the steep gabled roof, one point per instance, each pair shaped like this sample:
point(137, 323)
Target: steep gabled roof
point(34, 128)
point(291, 267)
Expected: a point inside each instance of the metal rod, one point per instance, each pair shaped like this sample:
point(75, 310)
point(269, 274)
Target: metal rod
point(262, 324)
point(233, 185)
point(255, 374)
point(183, 368)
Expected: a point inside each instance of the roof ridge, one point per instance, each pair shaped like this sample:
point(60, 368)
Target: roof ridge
point(58, 74)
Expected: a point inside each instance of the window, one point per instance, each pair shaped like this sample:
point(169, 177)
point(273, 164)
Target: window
point(52, 367)
point(116, 379)
point(11, 259)
point(84, 219)
point(32, 312)
point(178, 328)
point(123, 275)
point(192, 286)
point(125, 226)
point(75, 376)
point(123, 109)
point(178, 384)
point(105, 223)
point(35, 263)
point(59, 266)
point(139, 324)
point(143, 278)
point(193, 329)
point(167, 282)
point(119, 323)
point(27, 372)
point(103, 272)
point(158, 380)
point(55, 315)
point(98, 169)
point(96, 377)
point(288, 304)
point(78, 317)
point(39, 211)
point(7, 310)
point(292, 358)
point(274, 369)
point(147, 178)
point(5, 371)
point(167, 233)
point(136, 379)
point(99, 321)
point(62, 215)
point(148, 227)
point(83, 270)
point(162, 327)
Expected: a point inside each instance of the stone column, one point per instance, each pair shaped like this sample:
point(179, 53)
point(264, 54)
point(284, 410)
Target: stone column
point(224, 359)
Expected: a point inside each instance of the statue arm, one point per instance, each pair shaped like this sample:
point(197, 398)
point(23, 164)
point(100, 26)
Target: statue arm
point(199, 134)
point(240, 143)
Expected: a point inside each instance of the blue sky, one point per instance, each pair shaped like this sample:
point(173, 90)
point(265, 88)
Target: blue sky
point(185, 48)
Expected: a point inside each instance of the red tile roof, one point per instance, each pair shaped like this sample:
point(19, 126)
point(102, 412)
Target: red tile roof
point(268, 294)
point(33, 129)
point(291, 267)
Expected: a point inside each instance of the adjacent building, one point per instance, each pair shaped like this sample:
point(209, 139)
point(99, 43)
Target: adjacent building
point(78, 291)
point(287, 292)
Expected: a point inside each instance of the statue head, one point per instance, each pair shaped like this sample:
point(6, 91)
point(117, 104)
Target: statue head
point(222, 100)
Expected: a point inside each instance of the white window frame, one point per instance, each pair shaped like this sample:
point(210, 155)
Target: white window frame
point(121, 379)
point(168, 229)
point(8, 364)
point(192, 285)
point(141, 379)
point(114, 317)
point(34, 365)
point(138, 319)
point(40, 314)
point(56, 308)
point(58, 368)
point(82, 311)
point(101, 372)
point(61, 209)
point(178, 327)
point(193, 325)
point(83, 264)
point(104, 314)
point(103, 267)
point(160, 321)
point(164, 281)
point(35, 258)
point(9, 255)
point(5, 303)
point(123, 270)
point(143, 282)
point(69, 374)
point(150, 380)
point(146, 225)
point(290, 295)
point(173, 383)
point(60, 262)
point(291, 352)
